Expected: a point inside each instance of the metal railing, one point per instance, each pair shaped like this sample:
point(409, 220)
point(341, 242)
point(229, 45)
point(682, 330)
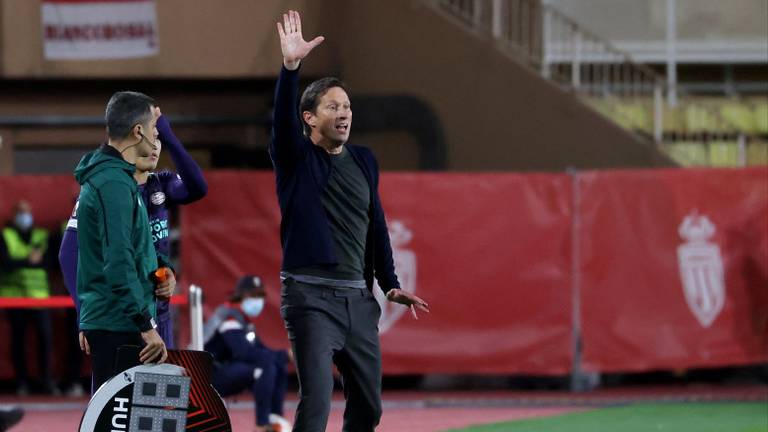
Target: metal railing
point(196, 317)
point(562, 51)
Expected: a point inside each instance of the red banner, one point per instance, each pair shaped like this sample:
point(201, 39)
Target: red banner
point(489, 252)
point(51, 197)
point(674, 268)
point(672, 265)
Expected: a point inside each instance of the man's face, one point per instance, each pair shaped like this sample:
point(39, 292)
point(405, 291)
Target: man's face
point(22, 212)
point(149, 163)
point(332, 118)
point(149, 131)
point(22, 207)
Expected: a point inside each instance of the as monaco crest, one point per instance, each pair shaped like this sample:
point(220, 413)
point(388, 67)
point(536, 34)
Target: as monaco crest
point(701, 269)
point(405, 267)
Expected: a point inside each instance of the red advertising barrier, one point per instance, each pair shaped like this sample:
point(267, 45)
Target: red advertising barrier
point(671, 266)
point(674, 268)
point(491, 256)
point(51, 197)
point(489, 252)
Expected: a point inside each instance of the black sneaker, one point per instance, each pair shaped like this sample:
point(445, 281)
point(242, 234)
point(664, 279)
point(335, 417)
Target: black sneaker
point(9, 416)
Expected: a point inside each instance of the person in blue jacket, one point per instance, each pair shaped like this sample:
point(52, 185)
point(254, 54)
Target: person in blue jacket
point(242, 361)
point(160, 192)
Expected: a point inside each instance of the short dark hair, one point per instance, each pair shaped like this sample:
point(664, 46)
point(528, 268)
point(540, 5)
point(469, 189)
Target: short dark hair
point(310, 99)
point(125, 109)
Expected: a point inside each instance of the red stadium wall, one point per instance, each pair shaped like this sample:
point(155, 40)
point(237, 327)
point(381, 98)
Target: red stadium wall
point(473, 237)
point(501, 257)
point(513, 264)
point(652, 294)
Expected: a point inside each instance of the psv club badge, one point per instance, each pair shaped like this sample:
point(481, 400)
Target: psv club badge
point(157, 198)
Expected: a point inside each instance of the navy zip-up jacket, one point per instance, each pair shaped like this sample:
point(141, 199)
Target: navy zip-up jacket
point(302, 170)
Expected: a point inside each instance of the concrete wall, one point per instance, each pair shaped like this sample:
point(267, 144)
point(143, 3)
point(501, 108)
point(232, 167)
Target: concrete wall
point(494, 113)
point(646, 19)
point(708, 31)
point(497, 114)
point(198, 38)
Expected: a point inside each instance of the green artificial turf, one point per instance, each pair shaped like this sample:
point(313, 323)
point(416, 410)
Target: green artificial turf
point(672, 417)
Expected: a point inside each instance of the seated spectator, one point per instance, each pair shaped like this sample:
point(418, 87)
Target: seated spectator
point(241, 361)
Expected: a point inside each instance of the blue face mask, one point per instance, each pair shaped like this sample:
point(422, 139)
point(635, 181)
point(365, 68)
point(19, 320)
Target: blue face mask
point(23, 221)
point(253, 306)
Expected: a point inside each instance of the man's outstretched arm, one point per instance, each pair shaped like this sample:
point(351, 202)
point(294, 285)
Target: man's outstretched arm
point(287, 139)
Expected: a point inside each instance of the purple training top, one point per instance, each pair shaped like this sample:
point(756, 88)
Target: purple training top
point(161, 191)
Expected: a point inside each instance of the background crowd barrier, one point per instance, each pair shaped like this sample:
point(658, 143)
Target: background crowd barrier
point(61, 332)
point(673, 269)
point(535, 273)
point(599, 271)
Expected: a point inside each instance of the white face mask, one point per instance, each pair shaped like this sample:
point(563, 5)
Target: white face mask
point(252, 306)
point(23, 220)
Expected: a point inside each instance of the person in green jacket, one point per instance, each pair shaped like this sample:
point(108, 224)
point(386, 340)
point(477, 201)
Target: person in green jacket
point(116, 256)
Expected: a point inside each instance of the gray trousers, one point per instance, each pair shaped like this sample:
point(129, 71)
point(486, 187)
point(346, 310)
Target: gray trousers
point(338, 326)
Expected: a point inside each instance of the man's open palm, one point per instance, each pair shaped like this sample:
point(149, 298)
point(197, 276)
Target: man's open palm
point(292, 43)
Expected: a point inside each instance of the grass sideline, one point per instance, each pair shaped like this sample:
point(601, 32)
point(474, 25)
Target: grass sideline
point(672, 417)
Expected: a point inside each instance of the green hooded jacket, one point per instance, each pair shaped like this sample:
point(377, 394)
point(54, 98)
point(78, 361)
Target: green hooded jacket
point(115, 255)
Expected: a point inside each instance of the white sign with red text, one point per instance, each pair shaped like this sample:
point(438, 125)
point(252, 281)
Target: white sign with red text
point(93, 30)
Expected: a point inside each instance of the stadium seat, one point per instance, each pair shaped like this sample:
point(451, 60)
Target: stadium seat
point(724, 154)
point(757, 153)
point(697, 116)
point(761, 115)
point(672, 119)
point(688, 153)
point(699, 119)
point(740, 115)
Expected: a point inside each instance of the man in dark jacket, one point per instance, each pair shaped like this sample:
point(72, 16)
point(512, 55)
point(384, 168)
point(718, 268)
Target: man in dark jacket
point(116, 256)
point(335, 240)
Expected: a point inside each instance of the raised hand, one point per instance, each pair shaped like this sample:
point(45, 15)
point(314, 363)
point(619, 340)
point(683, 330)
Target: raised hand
point(292, 43)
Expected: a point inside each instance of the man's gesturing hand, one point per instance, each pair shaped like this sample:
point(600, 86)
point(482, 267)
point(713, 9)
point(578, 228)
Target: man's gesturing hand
point(154, 351)
point(292, 43)
point(397, 295)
